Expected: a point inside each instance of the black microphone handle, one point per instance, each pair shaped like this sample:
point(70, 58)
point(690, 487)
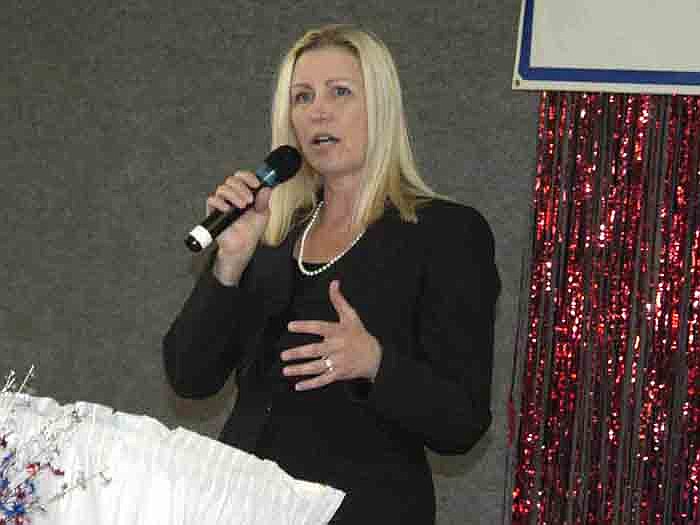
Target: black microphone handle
point(216, 222)
point(281, 164)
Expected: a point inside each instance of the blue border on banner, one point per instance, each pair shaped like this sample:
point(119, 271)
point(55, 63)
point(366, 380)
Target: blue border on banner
point(608, 76)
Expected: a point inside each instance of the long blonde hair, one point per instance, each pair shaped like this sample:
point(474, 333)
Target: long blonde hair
point(391, 172)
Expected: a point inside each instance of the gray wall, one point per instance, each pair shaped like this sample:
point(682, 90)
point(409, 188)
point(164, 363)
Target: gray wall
point(117, 118)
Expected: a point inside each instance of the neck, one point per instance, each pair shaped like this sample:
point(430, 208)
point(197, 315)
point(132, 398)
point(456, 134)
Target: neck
point(340, 206)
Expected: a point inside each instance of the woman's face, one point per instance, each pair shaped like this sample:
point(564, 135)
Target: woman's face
point(329, 111)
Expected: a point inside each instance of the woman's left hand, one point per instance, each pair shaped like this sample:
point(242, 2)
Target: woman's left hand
point(347, 351)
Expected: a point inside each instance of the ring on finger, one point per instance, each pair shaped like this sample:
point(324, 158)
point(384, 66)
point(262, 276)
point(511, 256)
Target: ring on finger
point(329, 364)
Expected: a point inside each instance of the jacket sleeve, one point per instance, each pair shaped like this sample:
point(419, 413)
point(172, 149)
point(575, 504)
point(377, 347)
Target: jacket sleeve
point(442, 391)
point(206, 340)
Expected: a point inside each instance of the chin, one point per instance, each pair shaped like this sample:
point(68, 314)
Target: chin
point(333, 167)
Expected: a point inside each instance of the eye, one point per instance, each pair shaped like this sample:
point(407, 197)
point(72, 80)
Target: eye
point(342, 91)
point(302, 97)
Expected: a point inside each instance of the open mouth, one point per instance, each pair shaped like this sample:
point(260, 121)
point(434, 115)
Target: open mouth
point(319, 140)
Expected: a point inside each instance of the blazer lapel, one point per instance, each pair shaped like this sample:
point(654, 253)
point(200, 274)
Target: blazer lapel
point(273, 275)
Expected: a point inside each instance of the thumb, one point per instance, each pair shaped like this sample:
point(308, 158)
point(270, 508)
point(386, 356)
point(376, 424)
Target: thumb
point(341, 305)
point(258, 216)
point(262, 200)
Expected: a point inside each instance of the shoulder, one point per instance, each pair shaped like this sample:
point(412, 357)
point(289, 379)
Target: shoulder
point(442, 209)
point(457, 240)
point(441, 218)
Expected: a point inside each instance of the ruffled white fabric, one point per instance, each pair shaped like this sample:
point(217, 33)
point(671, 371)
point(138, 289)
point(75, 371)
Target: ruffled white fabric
point(160, 476)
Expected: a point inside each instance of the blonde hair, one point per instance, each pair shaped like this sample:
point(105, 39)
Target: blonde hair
point(391, 172)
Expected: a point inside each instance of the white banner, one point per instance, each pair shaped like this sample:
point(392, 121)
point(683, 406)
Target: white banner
point(631, 46)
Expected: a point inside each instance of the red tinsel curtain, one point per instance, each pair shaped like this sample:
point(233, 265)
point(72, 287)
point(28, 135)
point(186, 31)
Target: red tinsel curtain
point(605, 423)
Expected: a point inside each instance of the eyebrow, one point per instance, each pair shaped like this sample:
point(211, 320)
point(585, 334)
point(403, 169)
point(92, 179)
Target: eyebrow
point(327, 82)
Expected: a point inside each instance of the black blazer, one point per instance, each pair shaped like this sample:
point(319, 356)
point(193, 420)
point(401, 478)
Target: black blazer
point(426, 291)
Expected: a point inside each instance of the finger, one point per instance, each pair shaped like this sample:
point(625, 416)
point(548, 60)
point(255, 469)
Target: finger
point(235, 192)
point(321, 328)
point(316, 382)
point(304, 352)
point(249, 178)
point(244, 179)
point(341, 305)
point(315, 367)
point(214, 202)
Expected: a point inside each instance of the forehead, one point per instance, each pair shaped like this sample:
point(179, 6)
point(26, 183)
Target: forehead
point(326, 63)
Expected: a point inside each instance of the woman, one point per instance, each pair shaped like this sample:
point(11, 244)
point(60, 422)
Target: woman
point(355, 305)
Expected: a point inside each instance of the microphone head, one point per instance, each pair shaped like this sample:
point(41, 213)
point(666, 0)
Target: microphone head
point(282, 164)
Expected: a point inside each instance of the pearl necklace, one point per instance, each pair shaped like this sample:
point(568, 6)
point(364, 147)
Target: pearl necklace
point(330, 263)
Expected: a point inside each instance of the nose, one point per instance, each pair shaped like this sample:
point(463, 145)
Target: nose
point(321, 109)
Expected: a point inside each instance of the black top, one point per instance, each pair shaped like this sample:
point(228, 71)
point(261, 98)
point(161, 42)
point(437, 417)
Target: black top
point(426, 291)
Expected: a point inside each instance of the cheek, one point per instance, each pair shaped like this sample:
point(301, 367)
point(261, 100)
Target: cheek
point(358, 123)
point(298, 120)
point(361, 126)
point(360, 138)
point(294, 120)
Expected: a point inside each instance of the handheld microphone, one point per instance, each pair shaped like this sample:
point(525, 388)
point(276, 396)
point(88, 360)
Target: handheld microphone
point(280, 165)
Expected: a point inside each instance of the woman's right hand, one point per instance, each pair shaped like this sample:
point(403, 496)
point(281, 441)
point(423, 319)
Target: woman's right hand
point(238, 242)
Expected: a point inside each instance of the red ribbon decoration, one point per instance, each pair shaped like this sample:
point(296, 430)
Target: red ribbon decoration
point(607, 366)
